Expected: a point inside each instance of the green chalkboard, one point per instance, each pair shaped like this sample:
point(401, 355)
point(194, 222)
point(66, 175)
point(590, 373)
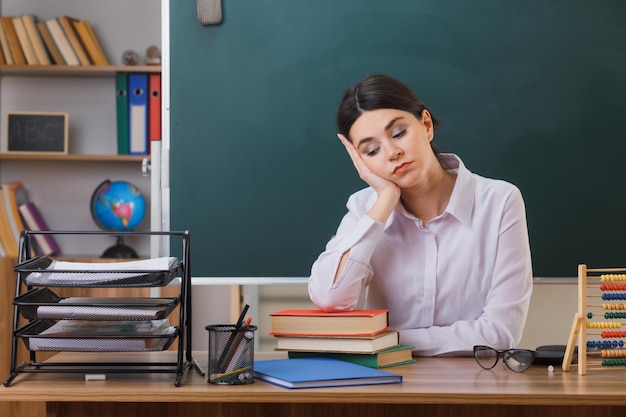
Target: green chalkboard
point(528, 91)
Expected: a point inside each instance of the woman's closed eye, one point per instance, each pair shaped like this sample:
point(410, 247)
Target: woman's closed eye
point(371, 150)
point(398, 133)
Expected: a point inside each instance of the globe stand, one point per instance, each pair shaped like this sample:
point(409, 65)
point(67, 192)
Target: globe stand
point(120, 250)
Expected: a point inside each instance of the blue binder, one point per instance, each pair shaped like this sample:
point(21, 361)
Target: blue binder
point(138, 113)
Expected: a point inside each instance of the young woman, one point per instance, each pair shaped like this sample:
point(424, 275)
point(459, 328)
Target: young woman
point(444, 250)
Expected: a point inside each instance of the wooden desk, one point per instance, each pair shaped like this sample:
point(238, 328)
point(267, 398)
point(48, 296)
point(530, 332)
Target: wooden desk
point(432, 386)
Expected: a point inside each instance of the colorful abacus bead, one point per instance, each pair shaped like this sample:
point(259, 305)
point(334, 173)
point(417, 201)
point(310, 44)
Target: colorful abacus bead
point(612, 277)
point(614, 296)
point(604, 325)
point(609, 306)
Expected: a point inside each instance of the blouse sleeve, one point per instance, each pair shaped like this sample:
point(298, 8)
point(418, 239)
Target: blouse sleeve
point(359, 236)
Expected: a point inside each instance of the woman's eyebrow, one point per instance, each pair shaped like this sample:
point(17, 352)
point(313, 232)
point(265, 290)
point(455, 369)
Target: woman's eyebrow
point(387, 127)
point(390, 124)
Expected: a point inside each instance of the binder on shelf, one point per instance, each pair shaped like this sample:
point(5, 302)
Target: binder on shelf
point(27, 47)
point(51, 46)
point(154, 107)
point(30, 24)
point(4, 42)
point(121, 102)
point(138, 113)
point(66, 23)
point(62, 42)
point(45, 244)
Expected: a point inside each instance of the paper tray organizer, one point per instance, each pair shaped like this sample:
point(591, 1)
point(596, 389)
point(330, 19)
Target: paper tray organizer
point(38, 272)
point(102, 324)
point(43, 303)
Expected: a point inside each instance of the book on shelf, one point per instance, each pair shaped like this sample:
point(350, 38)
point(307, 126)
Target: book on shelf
point(62, 42)
point(25, 43)
point(45, 244)
point(9, 242)
point(51, 46)
point(344, 344)
point(386, 358)
point(30, 24)
point(14, 42)
point(68, 28)
point(14, 195)
point(6, 49)
point(320, 372)
point(2, 60)
point(320, 323)
point(90, 42)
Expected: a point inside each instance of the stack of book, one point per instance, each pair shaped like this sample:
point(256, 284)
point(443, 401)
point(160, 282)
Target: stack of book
point(361, 336)
point(61, 40)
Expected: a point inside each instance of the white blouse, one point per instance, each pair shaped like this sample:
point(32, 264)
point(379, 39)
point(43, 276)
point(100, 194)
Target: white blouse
point(463, 280)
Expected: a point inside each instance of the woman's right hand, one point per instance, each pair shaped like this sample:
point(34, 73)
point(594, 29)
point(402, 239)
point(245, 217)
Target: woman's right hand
point(388, 191)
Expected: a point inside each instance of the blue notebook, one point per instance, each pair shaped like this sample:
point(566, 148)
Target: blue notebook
point(320, 372)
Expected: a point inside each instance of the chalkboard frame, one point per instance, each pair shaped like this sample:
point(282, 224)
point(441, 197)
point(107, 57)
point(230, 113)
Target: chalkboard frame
point(59, 141)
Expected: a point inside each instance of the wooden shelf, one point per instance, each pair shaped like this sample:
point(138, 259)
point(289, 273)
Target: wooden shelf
point(72, 157)
point(75, 70)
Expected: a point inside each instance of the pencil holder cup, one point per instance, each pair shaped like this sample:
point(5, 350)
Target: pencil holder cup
point(231, 354)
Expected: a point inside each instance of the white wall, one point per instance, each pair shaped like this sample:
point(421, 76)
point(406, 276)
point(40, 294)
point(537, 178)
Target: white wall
point(552, 310)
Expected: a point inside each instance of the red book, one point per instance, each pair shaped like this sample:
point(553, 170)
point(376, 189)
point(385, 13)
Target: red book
point(320, 323)
point(154, 107)
point(45, 244)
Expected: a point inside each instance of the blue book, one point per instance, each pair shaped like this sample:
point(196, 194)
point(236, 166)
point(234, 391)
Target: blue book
point(320, 372)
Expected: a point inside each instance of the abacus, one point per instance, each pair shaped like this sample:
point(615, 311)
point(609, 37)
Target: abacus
point(599, 326)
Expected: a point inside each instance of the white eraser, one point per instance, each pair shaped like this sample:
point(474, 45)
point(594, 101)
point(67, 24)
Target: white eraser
point(95, 377)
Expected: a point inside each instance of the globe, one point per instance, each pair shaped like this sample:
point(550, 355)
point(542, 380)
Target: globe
point(117, 205)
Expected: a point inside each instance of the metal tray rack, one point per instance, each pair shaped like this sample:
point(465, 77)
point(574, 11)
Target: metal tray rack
point(43, 308)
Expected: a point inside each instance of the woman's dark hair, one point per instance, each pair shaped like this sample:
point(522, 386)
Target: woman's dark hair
point(377, 91)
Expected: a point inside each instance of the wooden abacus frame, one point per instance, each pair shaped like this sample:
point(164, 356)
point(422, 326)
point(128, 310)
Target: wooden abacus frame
point(605, 358)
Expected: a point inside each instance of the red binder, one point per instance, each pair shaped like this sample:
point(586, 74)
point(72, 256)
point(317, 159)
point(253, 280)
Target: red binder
point(154, 107)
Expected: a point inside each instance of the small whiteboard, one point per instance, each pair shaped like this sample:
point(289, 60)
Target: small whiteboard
point(36, 132)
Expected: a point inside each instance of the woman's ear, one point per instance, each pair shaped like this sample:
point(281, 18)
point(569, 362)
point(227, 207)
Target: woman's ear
point(427, 121)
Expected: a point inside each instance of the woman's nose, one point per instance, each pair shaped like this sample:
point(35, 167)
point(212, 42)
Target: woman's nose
point(395, 152)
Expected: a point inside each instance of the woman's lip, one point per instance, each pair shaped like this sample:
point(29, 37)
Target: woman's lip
point(401, 168)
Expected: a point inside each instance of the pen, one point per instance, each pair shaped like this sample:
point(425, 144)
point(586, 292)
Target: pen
point(235, 351)
point(238, 355)
point(242, 315)
point(231, 340)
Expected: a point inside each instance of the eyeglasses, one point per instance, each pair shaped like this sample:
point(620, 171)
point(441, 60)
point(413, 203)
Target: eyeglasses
point(517, 360)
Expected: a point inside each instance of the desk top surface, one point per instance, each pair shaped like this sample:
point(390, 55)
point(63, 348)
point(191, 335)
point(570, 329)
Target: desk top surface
point(428, 381)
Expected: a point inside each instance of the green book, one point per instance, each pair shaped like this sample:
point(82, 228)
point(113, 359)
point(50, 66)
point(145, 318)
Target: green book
point(393, 356)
